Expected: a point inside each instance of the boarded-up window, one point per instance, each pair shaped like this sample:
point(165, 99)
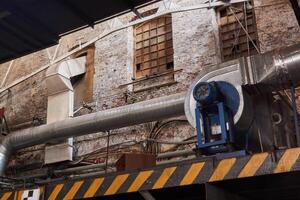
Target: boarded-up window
point(233, 38)
point(153, 47)
point(83, 85)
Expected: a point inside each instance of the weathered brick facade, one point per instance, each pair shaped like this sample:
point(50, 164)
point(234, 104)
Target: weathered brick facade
point(196, 46)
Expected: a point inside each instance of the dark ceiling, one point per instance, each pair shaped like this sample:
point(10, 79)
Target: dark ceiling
point(27, 26)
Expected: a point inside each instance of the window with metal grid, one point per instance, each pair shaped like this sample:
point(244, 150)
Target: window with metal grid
point(153, 47)
point(238, 32)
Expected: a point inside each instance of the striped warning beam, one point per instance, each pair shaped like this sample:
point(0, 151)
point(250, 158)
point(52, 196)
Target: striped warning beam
point(182, 174)
point(18, 195)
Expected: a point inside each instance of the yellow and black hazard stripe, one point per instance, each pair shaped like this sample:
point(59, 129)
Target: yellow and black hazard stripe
point(182, 174)
point(17, 195)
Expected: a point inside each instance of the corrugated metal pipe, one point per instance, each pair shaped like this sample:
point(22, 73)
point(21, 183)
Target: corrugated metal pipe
point(277, 69)
point(146, 111)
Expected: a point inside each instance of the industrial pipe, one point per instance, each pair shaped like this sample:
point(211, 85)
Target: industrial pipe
point(166, 155)
point(272, 68)
point(277, 69)
point(142, 112)
point(92, 174)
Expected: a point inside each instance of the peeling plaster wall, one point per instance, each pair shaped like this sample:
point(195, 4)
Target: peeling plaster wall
point(195, 43)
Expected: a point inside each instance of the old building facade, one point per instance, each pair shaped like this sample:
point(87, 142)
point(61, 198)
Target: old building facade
point(154, 58)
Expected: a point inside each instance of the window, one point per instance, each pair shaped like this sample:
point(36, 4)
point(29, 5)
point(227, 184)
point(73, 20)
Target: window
point(153, 47)
point(234, 41)
point(83, 85)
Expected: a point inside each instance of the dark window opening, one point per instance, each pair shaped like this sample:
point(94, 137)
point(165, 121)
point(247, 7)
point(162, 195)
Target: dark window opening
point(236, 49)
point(252, 44)
point(223, 13)
point(170, 65)
point(138, 67)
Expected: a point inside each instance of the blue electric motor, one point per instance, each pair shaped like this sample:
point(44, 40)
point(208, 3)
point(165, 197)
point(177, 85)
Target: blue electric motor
point(217, 103)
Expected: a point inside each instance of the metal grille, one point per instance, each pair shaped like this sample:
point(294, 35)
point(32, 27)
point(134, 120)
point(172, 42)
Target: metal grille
point(154, 47)
point(238, 33)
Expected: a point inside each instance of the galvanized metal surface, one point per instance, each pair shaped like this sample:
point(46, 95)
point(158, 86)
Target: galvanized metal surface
point(277, 69)
point(151, 110)
point(60, 104)
point(273, 70)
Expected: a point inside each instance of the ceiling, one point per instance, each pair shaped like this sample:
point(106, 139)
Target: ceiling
point(27, 26)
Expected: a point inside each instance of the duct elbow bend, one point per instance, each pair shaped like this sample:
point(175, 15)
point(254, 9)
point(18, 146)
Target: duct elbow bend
point(58, 77)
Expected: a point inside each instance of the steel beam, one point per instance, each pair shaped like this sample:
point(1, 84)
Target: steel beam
point(137, 13)
point(296, 8)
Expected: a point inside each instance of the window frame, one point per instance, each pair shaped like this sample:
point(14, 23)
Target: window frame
point(162, 55)
point(224, 37)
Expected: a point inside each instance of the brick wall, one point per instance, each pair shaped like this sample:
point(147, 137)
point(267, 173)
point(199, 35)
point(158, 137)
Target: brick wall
point(276, 23)
point(195, 42)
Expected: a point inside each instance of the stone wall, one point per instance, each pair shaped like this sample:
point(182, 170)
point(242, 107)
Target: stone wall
point(195, 42)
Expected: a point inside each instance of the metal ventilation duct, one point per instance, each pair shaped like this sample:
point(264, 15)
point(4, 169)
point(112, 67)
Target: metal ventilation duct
point(263, 70)
point(146, 111)
point(60, 104)
point(275, 69)
point(58, 77)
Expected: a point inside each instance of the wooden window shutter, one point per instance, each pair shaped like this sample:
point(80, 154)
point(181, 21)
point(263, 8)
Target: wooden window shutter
point(234, 41)
point(153, 47)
